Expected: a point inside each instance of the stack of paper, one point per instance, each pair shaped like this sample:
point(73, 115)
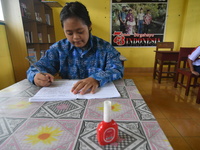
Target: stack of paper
point(61, 90)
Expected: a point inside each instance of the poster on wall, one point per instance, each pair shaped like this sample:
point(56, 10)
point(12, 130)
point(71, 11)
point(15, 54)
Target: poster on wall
point(137, 23)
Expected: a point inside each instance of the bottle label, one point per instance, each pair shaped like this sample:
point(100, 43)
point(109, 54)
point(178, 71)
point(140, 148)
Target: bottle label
point(109, 134)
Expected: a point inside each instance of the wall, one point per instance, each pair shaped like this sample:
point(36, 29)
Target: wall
point(143, 56)
point(99, 16)
point(6, 73)
point(191, 25)
point(16, 39)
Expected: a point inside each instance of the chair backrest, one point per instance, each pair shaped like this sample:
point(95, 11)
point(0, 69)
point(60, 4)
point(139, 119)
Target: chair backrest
point(165, 46)
point(183, 56)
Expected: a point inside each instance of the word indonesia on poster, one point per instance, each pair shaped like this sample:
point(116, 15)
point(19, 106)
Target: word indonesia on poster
point(138, 23)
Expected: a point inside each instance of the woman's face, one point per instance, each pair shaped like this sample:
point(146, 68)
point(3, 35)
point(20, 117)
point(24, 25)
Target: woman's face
point(76, 32)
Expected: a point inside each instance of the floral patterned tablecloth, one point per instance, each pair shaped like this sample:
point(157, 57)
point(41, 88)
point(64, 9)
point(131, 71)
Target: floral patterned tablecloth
point(69, 125)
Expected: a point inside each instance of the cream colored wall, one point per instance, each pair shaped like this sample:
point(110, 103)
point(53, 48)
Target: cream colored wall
point(6, 73)
point(174, 18)
point(16, 39)
point(137, 56)
point(99, 13)
point(191, 25)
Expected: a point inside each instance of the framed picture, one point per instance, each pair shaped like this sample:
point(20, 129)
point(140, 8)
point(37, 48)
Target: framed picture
point(136, 23)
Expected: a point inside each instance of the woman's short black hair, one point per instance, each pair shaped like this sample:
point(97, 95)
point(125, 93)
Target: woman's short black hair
point(75, 9)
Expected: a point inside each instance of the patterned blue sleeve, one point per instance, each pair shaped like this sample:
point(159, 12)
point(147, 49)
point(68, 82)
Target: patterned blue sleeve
point(47, 64)
point(113, 70)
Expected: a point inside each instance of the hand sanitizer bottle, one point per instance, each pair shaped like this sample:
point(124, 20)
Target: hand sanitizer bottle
point(107, 130)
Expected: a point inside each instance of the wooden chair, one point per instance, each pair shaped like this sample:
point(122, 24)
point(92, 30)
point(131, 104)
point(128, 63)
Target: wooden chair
point(165, 56)
point(198, 96)
point(183, 70)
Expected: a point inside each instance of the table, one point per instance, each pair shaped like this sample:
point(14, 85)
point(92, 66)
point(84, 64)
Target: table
point(163, 56)
point(69, 125)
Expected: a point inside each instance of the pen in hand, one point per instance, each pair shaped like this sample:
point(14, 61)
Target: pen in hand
point(31, 62)
point(38, 69)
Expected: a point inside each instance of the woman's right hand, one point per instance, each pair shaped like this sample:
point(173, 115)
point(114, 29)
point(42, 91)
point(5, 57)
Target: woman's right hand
point(43, 79)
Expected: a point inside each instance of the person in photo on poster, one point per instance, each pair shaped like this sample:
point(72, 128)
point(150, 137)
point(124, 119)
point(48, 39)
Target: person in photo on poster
point(140, 18)
point(147, 21)
point(130, 21)
point(115, 20)
point(122, 19)
point(134, 12)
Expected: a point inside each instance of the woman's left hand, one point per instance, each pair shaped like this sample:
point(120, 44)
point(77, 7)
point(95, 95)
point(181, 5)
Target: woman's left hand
point(86, 85)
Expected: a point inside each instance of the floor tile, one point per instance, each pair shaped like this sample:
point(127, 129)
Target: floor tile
point(168, 128)
point(193, 113)
point(174, 112)
point(194, 142)
point(178, 143)
point(186, 127)
point(197, 121)
point(156, 112)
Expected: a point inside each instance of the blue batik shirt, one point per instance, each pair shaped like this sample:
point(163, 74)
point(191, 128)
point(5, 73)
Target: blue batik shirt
point(99, 61)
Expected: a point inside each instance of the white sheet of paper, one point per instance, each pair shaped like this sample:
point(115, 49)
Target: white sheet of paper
point(61, 90)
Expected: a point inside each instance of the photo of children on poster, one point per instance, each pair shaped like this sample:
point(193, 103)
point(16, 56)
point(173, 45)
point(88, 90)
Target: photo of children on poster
point(138, 22)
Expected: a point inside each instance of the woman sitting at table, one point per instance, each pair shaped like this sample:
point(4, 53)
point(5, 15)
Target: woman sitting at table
point(194, 61)
point(80, 56)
